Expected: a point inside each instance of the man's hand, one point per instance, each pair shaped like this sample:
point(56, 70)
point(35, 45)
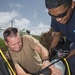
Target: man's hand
point(53, 69)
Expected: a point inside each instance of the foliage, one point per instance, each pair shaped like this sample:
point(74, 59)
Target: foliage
point(37, 37)
point(3, 47)
point(22, 32)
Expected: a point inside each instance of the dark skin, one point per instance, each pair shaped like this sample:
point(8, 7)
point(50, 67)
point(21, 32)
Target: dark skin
point(56, 11)
point(61, 9)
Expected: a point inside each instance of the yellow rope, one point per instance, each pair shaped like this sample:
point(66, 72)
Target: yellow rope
point(7, 62)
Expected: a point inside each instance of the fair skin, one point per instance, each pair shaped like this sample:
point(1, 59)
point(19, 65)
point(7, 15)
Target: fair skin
point(15, 44)
point(63, 20)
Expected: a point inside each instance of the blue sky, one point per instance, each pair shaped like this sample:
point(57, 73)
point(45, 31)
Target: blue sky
point(28, 14)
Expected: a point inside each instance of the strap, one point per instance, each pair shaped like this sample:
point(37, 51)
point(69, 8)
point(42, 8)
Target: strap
point(12, 62)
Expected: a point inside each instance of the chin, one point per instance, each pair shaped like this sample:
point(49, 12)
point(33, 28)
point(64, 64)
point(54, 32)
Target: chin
point(16, 50)
point(65, 22)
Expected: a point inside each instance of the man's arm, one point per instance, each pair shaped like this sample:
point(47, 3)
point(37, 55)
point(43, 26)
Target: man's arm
point(55, 40)
point(45, 56)
point(20, 71)
point(42, 51)
point(72, 53)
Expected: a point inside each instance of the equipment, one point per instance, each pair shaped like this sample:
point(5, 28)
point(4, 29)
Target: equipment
point(58, 59)
point(62, 64)
point(5, 67)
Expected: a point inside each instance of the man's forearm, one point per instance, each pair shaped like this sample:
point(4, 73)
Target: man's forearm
point(54, 42)
point(20, 71)
point(72, 53)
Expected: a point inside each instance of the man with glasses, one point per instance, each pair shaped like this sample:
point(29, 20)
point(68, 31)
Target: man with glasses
point(24, 52)
point(62, 14)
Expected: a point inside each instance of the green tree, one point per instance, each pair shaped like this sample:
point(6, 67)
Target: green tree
point(3, 47)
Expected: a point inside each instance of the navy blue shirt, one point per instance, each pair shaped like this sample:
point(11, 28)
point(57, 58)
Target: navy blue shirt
point(67, 29)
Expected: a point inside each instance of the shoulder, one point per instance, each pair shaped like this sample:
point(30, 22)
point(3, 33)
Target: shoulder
point(29, 38)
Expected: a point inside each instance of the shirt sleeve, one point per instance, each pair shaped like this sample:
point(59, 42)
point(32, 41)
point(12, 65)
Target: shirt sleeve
point(31, 41)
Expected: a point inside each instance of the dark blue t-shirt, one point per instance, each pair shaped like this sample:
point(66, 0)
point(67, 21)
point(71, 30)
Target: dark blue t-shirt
point(67, 29)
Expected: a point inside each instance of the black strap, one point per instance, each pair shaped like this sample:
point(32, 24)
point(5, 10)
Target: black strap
point(12, 62)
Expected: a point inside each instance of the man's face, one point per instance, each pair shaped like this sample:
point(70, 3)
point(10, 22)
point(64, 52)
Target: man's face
point(14, 43)
point(61, 14)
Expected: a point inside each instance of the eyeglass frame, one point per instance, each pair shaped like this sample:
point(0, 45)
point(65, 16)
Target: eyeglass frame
point(60, 15)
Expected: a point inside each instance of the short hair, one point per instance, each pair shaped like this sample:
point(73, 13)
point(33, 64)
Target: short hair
point(10, 31)
point(50, 4)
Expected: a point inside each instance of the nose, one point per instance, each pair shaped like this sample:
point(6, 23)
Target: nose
point(17, 45)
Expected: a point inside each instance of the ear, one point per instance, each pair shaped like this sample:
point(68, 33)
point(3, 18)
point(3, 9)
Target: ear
point(6, 43)
point(73, 4)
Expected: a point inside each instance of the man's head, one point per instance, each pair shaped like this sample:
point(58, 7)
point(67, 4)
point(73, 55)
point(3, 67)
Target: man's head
point(61, 10)
point(12, 39)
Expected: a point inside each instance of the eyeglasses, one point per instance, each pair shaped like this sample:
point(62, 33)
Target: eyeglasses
point(60, 15)
point(8, 32)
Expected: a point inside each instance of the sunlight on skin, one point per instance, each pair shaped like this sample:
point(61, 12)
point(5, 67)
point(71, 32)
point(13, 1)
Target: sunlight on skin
point(20, 71)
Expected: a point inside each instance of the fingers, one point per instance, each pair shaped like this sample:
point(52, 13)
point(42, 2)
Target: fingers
point(55, 71)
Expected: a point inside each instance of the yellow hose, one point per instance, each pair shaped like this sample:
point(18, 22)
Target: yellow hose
point(7, 62)
point(68, 68)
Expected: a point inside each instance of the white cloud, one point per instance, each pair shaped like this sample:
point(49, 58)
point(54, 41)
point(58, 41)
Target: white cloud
point(21, 23)
point(35, 14)
point(40, 29)
point(15, 5)
point(41, 25)
point(46, 10)
point(5, 17)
